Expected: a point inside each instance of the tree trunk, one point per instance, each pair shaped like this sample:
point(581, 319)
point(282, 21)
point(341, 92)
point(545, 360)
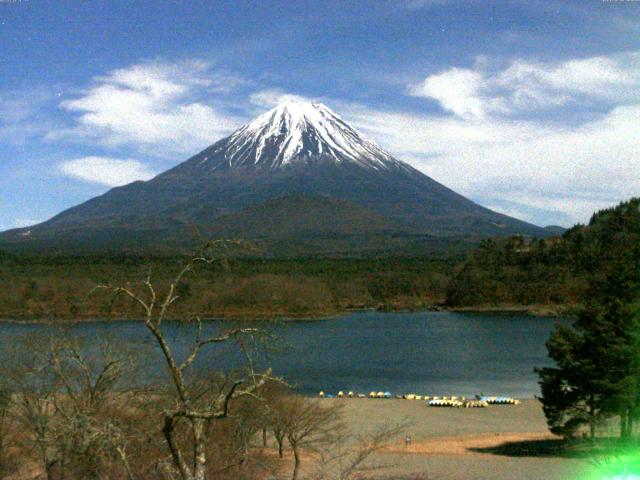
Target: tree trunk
point(296, 465)
point(280, 447)
point(48, 464)
point(125, 462)
point(48, 469)
point(624, 415)
point(200, 454)
point(264, 436)
point(592, 418)
point(176, 453)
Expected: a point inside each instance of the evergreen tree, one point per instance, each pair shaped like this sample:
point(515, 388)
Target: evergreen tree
point(597, 371)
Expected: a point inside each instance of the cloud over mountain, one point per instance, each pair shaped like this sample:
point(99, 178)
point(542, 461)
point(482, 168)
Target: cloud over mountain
point(528, 85)
point(160, 108)
point(111, 172)
point(550, 141)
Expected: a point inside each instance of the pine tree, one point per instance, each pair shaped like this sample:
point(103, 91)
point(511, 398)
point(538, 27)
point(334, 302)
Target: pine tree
point(597, 371)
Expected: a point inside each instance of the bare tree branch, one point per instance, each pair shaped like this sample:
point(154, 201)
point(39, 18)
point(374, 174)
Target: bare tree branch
point(192, 408)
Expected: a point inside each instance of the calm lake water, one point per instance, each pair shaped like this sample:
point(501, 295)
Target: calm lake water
point(434, 353)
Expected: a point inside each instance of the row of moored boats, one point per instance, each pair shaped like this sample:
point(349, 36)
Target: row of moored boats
point(453, 401)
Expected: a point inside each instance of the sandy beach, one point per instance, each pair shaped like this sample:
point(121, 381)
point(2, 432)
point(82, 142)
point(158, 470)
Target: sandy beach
point(498, 442)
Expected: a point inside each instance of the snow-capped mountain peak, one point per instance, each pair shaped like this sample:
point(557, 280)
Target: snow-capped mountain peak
point(294, 173)
point(301, 132)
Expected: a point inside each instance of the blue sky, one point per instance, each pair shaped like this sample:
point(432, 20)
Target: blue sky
point(530, 108)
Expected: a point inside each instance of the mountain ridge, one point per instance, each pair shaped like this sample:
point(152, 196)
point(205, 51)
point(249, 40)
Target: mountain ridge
point(294, 149)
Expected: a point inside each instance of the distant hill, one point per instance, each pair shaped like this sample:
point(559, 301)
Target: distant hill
point(297, 174)
point(520, 271)
point(555, 230)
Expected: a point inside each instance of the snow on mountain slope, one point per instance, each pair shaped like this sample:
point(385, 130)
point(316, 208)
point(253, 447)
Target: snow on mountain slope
point(296, 132)
point(285, 171)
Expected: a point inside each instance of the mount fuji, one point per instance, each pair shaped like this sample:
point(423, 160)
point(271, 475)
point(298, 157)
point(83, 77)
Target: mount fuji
point(297, 178)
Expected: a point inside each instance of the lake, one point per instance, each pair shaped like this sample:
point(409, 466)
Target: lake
point(427, 353)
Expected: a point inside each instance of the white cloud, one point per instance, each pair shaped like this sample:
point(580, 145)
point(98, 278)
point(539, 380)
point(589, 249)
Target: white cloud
point(17, 223)
point(22, 114)
point(541, 166)
point(486, 150)
point(457, 90)
point(112, 172)
point(273, 97)
point(158, 108)
point(539, 85)
point(498, 142)
point(24, 222)
point(540, 170)
point(529, 85)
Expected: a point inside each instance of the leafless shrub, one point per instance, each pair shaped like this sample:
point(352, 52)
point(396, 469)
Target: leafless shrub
point(61, 402)
point(348, 457)
point(196, 405)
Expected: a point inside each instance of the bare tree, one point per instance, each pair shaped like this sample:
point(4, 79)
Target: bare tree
point(348, 456)
point(274, 416)
point(59, 397)
point(194, 408)
point(29, 382)
point(279, 430)
point(305, 424)
point(5, 428)
point(88, 430)
point(314, 429)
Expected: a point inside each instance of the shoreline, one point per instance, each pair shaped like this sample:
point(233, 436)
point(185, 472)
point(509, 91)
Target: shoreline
point(542, 311)
point(476, 443)
point(536, 310)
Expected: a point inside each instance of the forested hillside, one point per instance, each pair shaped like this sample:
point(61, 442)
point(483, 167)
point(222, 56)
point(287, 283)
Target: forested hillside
point(538, 275)
point(553, 272)
point(58, 287)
